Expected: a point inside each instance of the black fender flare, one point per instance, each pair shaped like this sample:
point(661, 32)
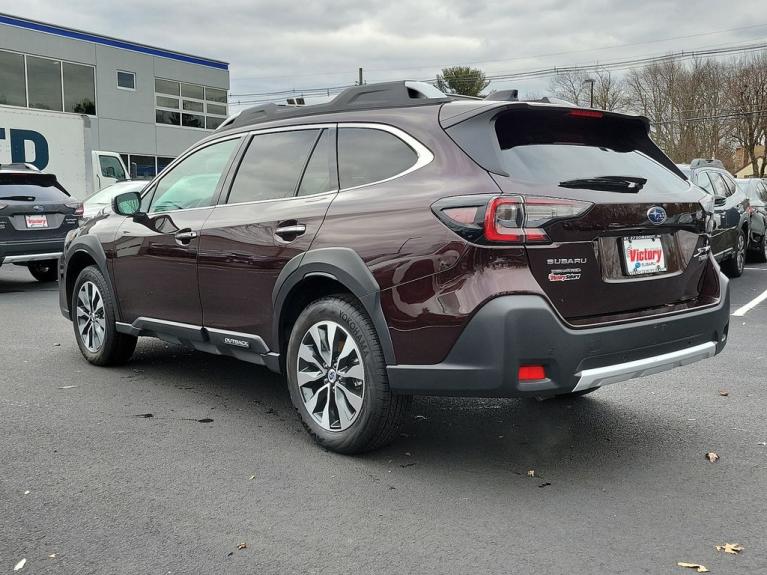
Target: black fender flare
point(91, 246)
point(345, 266)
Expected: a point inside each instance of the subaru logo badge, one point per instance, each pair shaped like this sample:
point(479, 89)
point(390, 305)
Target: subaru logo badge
point(656, 215)
point(38, 208)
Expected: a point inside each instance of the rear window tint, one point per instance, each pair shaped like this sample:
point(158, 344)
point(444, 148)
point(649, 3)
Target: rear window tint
point(548, 148)
point(366, 155)
point(9, 191)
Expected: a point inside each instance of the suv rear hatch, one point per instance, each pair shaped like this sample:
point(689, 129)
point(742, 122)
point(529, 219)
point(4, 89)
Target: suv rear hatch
point(34, 209)
point(612, 229)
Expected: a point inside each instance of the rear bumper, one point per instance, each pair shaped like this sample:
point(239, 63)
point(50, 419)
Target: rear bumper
point(38, 250)
point(515, 330)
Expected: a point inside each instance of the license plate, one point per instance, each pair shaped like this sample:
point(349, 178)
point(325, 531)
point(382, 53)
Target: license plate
point(644, 255)
point(37, 221)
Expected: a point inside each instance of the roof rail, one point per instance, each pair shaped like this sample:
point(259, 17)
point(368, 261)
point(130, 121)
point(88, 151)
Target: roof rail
point(706, 162)
point(19, 167)
point(513, 96)
point(366, 97)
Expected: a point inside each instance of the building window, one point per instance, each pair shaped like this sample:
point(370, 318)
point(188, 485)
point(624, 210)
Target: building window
point(13, 85)
point(44, 81)
point(145, 167)
point(188, 105)
point(47, 84)
point(126, 80)
point(79, 89)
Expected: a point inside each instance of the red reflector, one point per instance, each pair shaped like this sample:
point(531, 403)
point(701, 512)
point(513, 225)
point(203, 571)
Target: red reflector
point(579, 113)
point(531, 372)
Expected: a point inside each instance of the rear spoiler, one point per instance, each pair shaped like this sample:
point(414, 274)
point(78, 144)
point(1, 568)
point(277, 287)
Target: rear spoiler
point(473, 129)
point(30, 177)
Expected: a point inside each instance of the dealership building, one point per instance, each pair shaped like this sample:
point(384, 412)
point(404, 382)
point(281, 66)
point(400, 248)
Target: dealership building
point(147, 103)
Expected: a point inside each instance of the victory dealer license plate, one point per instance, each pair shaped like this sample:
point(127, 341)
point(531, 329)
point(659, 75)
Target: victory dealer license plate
point(37, 221)
point(643, 255)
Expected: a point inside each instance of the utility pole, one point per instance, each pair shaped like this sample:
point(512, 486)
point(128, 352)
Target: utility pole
point(590, 81)
point(360, 82)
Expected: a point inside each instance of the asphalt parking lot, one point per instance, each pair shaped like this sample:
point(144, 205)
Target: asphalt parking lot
point(90, 484)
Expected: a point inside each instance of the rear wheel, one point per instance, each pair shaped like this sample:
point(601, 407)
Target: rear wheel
point(733, 266)
point(44, 271)
point(337, 378)
point(93, 318)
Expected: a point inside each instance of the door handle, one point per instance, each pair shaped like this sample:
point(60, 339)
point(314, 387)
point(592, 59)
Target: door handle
point(185, 236)
point(290, 232)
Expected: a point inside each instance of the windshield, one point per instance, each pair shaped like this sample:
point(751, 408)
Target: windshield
point(552, 149)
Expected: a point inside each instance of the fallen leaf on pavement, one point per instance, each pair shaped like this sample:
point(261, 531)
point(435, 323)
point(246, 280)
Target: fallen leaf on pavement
point(52, 556)
point(252, 477)
point(144, 415)
point(545, 484)
point(68, 387)
point(724, 392)
point(407, 465)
point(205, 420)
point(20, 565)
point(696, 566)
point(27, 492)
point(762, 443)
point(531, 473)
point(421, 417)
point(731, 548)
point(242, 546)
point(712, 457)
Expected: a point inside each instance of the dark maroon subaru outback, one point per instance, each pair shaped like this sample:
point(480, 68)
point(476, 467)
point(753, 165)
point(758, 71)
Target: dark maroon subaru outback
point(397, 242)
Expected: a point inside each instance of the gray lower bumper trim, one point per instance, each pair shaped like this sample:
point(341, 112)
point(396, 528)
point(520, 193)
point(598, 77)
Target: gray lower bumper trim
point(30, 258)
point(608, 374)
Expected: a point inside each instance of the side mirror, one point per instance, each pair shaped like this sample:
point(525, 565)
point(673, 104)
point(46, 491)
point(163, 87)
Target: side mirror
point(127, 204)
point(719, 201)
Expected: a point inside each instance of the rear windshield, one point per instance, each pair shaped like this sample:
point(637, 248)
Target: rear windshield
point(552, 147)
point(26, 192)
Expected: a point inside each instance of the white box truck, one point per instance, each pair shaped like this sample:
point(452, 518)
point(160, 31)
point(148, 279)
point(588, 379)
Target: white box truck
point(59, 144)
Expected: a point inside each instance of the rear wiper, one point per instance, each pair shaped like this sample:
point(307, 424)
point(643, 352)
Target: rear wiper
point(628, 184)
point(19, 198)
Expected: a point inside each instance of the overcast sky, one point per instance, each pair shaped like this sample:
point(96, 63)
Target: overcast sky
point(308, 44)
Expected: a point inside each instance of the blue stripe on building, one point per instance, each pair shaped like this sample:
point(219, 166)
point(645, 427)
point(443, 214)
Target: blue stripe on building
point(84, 36)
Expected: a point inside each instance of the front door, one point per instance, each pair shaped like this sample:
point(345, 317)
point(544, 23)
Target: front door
point(155, 253)
point(278, 198)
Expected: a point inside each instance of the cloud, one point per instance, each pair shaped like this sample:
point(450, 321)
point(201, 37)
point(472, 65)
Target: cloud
point(284, 45)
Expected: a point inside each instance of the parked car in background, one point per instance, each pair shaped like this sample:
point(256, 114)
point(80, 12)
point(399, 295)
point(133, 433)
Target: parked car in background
point(395, 242)
point(36, 213)
point(102, 200)
point(732, 221)
point(756, 191)
point(59, 144)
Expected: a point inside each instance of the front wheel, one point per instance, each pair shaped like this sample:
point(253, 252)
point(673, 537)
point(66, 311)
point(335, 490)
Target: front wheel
point(337, 378)
point(93, 318)
point(44, 271)
point(733, 266)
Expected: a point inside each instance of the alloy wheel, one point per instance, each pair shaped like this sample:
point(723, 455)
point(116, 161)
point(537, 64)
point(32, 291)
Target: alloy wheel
point(330, 375)
point(91, 322)
point(740, 255)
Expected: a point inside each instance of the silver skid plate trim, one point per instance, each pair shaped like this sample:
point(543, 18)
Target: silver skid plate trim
point(600, 376)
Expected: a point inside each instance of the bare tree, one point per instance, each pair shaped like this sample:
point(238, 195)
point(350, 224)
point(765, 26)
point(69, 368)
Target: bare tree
point(574, 86)
point(746, 102)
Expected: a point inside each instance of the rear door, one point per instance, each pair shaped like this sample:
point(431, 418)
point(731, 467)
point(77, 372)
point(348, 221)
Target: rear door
point(155, 255)
point(35, 214)
point(637, 248)
point(269, 213)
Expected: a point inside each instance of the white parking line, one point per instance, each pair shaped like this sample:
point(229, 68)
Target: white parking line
point(758, 269)
point(741, 311)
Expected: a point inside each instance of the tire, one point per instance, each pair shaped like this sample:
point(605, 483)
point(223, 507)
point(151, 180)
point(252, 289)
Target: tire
point(105, 346)
point(342, 394)
point(760, 250)
point(44, 271)
point(733, 265)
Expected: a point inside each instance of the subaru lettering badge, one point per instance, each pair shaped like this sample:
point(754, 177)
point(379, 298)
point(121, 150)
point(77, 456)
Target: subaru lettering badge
point(656, 215)
point(38, 208)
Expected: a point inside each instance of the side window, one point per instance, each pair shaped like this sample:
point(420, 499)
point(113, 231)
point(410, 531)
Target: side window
point(729, 184)
point(763, 194)
point(192, 183)
point(702, 180)
point(111, 167)
point(317, 178)
point(367, 155)
point(720, 188)
point(272, 166)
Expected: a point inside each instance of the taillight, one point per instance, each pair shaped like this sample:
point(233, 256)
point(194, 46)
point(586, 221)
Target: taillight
point(581, 113)
point(531, 373)
point(505, 219)
point(77, 207)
